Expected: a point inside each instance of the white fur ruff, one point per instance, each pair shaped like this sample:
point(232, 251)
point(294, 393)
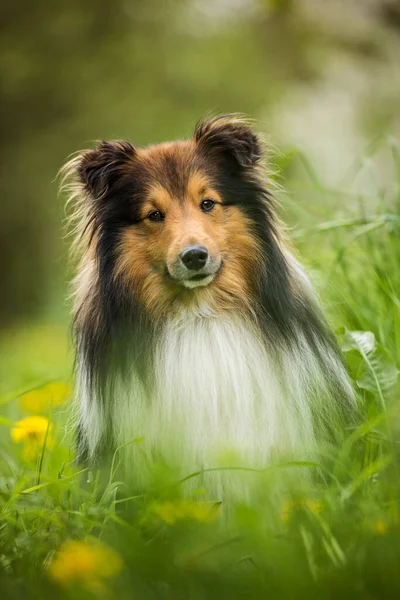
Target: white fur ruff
point(219, 397)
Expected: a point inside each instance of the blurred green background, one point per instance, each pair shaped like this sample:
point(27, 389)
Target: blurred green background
point(322, 80)
point(321, 75)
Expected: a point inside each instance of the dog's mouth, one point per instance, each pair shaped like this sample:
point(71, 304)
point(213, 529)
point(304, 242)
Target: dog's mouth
point(199, 277)
point(197, 280)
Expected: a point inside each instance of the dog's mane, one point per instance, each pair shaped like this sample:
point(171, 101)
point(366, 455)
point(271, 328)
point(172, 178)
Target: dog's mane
point(106, 313)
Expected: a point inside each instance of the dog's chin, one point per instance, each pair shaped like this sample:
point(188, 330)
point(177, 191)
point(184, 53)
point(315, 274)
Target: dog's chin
point(198, 281)
point(195, 281)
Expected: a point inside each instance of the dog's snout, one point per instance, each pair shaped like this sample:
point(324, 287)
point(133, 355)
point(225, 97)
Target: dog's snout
point(194, 257)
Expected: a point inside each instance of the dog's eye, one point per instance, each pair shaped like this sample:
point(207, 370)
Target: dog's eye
point(156, 216)
point(207, 205)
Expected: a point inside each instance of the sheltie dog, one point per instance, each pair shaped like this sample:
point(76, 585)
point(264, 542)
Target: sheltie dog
point(197, 331)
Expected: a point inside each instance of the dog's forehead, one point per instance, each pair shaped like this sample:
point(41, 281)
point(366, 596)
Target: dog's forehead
point(175, 166)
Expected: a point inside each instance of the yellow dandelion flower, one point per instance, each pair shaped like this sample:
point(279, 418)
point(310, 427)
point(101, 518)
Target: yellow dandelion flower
point(296, 506)
point(166, 512)
point(40, 399)
point(83, 563)
point(379, 526)
point(31, 431)
point(182, 510)
point(201, 511)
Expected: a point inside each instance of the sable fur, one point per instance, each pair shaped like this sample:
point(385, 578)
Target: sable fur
point(272, 364)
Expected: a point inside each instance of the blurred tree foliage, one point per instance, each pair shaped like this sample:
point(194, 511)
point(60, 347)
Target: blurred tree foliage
point(77, 71)
point(44, 50)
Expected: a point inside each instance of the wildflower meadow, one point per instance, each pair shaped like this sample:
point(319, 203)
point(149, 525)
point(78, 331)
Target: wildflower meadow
point(323, 528)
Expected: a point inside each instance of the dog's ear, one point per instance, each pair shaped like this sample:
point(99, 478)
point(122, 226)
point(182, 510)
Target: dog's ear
point(99, 169)
point(229, 135)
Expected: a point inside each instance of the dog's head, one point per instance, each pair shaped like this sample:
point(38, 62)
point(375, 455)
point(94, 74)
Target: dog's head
point(179, 221)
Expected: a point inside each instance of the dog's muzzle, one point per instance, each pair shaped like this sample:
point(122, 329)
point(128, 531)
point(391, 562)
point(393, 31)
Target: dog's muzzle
point(194, 267)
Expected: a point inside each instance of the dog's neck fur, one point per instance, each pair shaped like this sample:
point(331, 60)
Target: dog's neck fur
point(216, 390)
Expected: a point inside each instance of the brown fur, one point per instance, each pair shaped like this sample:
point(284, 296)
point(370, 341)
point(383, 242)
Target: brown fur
point(147, 247)
point(141, 278)
point(177, 178)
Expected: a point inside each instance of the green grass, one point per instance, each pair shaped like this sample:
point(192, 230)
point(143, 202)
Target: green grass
point(335, 535)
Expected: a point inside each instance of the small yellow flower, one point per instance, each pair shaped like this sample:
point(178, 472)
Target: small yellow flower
point(87, 564)
point(379, 526)
point(295, 506)
point(40, 399)
point(31, 431)
point(183, 510)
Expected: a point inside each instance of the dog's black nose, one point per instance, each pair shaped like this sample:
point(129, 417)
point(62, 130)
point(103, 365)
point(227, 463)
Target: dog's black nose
point(194, 257)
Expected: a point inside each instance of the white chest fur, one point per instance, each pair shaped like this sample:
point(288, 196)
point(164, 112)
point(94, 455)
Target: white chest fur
point(218, 396)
